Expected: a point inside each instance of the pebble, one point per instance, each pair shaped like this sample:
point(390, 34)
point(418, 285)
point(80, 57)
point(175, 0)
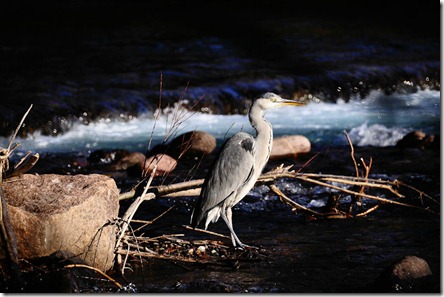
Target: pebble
point(200, 250)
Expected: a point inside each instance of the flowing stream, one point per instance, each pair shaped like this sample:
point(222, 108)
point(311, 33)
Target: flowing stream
point(377, 120)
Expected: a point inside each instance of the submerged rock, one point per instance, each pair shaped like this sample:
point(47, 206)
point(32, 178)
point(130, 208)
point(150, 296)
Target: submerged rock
point(417, 139)
point(133, 162)
point(115, 159)
point(52, 212)
point(408, 275)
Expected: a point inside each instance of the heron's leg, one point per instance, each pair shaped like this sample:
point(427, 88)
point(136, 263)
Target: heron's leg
point(234, 237)
point(227, 217)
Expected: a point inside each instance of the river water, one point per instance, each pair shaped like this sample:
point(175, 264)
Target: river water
point(378, 120)
point(111, 75)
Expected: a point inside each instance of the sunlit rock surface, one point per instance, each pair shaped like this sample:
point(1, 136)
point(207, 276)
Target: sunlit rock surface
point(163, 163)
point(194, 143)
point(186, 145)
point(289, 147)
point(56, 212)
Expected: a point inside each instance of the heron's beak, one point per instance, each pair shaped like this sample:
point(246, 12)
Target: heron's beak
point(287, 102)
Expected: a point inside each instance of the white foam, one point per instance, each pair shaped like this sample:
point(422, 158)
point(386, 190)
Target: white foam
point(376, 135)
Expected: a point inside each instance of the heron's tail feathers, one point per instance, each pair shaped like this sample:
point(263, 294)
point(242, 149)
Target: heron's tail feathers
point(195, 218)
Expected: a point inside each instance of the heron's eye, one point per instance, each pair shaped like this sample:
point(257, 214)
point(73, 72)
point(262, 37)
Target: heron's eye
point(273, 99)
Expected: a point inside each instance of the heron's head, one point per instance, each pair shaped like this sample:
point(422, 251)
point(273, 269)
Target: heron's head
point(271, 100)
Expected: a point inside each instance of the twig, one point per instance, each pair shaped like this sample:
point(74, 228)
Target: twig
point(156, 114)
point(162, 257)
point(421, 193)
point(171, 237)
point(363, 184)
point(205, 231)
point(96, 270)
point(372, 182)
point(133, 208)
point(153, 220)
point(352, 153)
point(188, 193)
point(7, 235)
point(127, 195)
point(362, 195)
point(164, 190)
point(368, 211)
point(24, 165)
point(18, 128)
point(292, 203)
point(308, 162)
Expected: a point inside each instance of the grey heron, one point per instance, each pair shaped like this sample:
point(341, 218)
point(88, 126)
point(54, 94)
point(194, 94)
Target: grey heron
point(237, 167)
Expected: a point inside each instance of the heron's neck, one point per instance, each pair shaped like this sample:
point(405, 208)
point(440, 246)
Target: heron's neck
point(264, 135)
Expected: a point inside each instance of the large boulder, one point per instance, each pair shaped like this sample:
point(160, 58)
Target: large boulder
point(53, 212)
point(289, 147)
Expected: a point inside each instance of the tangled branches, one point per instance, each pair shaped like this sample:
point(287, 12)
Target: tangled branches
point(346, 200)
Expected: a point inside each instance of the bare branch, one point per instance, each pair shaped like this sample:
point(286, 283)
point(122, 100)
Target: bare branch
point(293, 204)
point(18, 128)
point(96, 270)
point(352, 153)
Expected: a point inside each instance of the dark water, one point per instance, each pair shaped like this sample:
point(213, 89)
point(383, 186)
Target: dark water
point(327, 256)
point(296, 255)
point(82, 61)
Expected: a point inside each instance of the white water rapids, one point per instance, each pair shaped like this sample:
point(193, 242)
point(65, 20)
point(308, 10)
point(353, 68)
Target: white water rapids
point(378, 120)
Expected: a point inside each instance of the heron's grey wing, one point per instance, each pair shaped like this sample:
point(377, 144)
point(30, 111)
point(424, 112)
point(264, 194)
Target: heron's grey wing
point(233, 167)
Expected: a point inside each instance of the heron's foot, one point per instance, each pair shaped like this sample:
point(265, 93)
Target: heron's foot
point(246, 247)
